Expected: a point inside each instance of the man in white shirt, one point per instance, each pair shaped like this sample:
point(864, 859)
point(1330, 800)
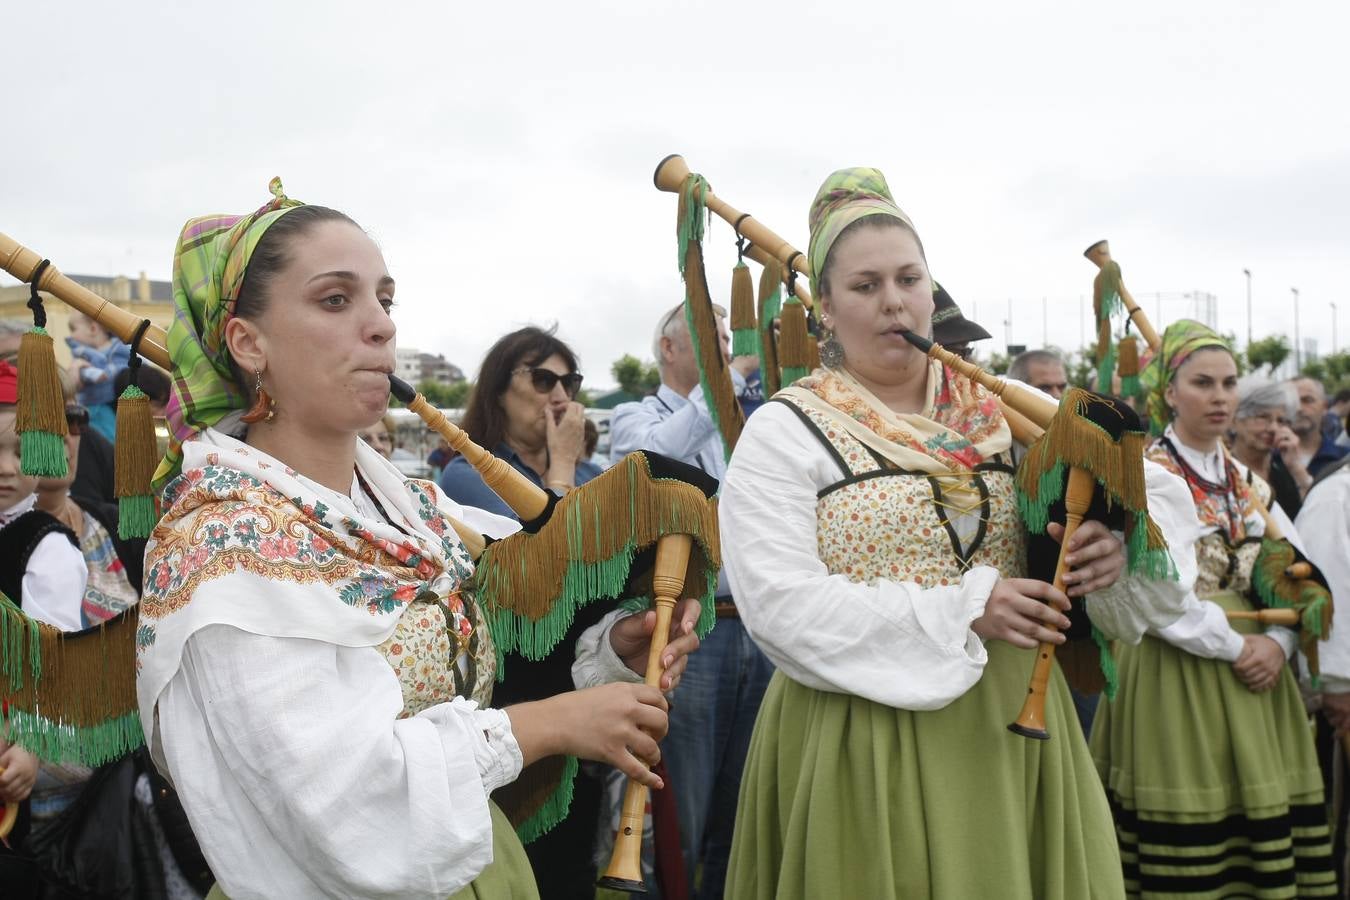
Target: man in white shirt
point(713, 709)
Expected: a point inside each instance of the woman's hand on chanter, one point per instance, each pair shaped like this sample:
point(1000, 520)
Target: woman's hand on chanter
point(1260, 663)
point(1096, 558)
point(631, 638)
point(618, 724)
point(1024, 612)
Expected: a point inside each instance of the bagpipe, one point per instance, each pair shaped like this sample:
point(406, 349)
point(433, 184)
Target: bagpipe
point(1085, 452)
point(643, 531)
point(1287, 589)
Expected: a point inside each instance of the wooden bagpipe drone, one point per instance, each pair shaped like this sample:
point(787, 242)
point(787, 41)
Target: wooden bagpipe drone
point(1287, 589)
point(1085, 453)
point(643, 531)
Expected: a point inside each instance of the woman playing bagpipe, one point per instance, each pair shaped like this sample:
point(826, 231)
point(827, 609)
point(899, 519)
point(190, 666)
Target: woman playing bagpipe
point(1206, 752)
point(872, 539)
point(312, 670)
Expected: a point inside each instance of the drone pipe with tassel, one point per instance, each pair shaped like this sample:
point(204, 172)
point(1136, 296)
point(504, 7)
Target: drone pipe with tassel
point(1031, 413)
point(670, 176)
point(1099, 254)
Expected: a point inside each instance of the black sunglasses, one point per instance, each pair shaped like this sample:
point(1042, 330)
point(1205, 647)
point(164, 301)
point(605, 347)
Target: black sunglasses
point(545, 380)
point(77, 419)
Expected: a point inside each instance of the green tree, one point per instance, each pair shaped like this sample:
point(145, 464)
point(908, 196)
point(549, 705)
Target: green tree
point(998, 363)
point(1269, 351)
point(445, 396)
point(635, 376)
point(1332, 370)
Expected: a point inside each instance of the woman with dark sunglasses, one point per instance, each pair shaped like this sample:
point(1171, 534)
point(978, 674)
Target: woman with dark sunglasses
point(523, 407)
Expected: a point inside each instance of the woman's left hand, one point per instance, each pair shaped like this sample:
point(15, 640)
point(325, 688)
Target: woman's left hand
point(631, 638)
point(1096, 558)
point(1260, 664)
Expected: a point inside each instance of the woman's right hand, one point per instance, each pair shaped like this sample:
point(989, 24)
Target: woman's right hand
point(1019, 610)
point(566, 439)
point(618, 724)
point(18, 772)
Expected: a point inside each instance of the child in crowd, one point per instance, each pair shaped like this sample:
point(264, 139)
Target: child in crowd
point(41, 570)
point(97, 358)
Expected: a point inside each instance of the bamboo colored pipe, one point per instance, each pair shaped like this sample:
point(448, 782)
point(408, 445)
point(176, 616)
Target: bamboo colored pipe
point(1032, 407)
point(1031, 721)
point(525, 498)
point(1270, 616)
point(624, 872)
point(19, 261)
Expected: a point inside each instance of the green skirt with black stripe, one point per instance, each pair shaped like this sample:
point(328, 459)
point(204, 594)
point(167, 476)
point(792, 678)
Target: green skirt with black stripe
point(1215, 790)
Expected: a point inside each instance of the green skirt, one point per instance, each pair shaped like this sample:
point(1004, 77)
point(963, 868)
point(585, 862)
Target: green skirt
point(1216, 790)
point(507, 877)
point(843, 797)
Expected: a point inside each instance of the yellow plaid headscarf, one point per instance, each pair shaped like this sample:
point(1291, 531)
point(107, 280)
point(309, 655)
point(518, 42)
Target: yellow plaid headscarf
point(208, 267)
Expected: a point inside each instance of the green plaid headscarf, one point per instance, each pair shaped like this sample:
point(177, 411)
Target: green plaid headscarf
point(846, 196)
point(208, 268)
point(1182, 338)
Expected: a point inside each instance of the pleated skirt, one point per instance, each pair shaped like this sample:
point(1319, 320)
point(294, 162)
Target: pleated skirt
point(1216, 790)
point(507, 877)
point(843, 797)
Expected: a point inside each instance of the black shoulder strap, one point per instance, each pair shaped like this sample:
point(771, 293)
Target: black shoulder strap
point(844, 470)
point(18, 540)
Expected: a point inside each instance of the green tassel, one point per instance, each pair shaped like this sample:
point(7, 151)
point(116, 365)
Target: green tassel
point(772, 307)
point(43, 454)
point(582, 584)
point(135, 516)
point(1131, 386)
point(692, 208)
point(793, 373)
point(709, 397)
point(1154, 563)
point(1108, 664)
point(745, 342)
point(92, 745)
point(1106, 367)
point(16, 629)
point(1111, 302)
point(555, 807)
point(1049, 489)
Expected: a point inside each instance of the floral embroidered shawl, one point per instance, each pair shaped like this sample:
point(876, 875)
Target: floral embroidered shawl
point(959, 427)
point(245, 541)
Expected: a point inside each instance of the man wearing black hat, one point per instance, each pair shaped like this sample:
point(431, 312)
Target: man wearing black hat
point(951, 329)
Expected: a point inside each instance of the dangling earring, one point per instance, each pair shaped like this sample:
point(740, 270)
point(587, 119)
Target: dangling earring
point(264, 407)
point(831, 351)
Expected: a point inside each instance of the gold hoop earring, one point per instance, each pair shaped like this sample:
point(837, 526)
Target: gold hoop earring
point(264, 407)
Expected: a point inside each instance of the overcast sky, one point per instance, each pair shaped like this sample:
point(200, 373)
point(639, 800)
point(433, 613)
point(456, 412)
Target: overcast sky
point(502, 154)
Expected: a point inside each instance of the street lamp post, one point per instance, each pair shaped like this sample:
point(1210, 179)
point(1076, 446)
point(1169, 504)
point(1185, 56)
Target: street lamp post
point(1333, 328)
point(1248, 273)
point(1298, 347)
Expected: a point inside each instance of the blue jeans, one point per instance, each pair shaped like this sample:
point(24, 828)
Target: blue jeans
point(711, 718)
